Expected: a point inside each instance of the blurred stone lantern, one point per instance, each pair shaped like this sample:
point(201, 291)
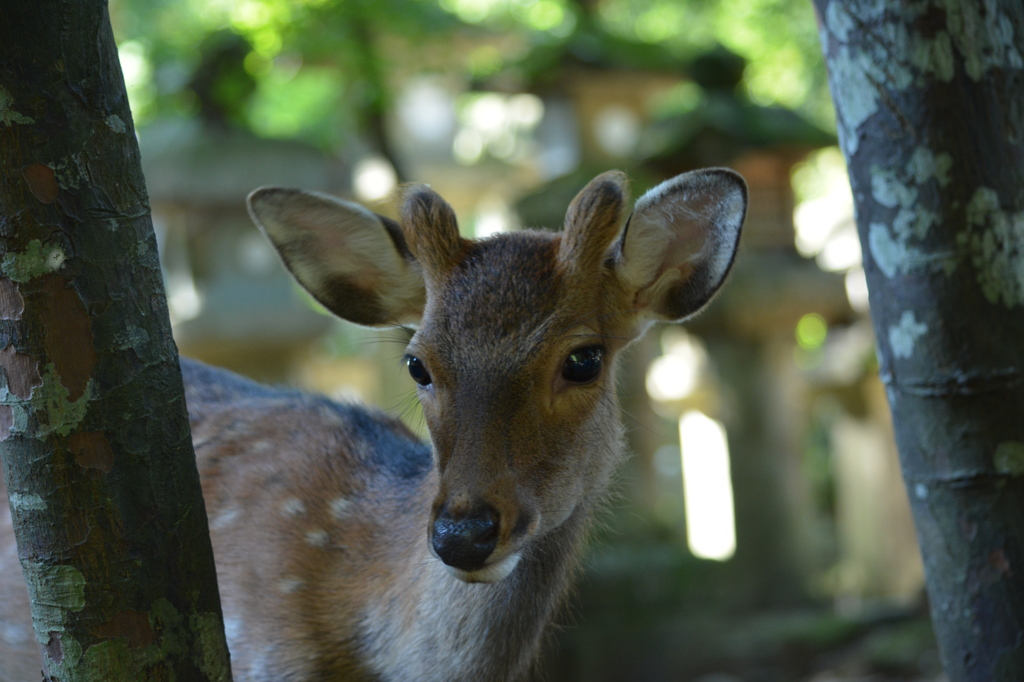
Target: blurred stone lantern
point(750, 339)
point(231, 302)
point(747, 334)
point(721, 126)
point(679, 380)
point(681, 385)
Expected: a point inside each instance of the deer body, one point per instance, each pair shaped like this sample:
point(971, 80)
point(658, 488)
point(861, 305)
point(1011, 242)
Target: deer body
point(367, 609)
point(347, 550)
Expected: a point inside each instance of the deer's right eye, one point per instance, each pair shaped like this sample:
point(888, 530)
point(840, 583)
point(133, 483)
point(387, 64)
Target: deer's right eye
point(583, 365)
point(417, 370)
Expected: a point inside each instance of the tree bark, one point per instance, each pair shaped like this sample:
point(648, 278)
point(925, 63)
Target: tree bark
point(929, 97)
point(97, 456)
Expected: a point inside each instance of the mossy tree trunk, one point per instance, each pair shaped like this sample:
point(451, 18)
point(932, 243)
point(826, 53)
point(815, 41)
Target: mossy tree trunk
point(97, 457)
point(930, 102)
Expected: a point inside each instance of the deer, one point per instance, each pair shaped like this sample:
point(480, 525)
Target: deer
point(347, 549)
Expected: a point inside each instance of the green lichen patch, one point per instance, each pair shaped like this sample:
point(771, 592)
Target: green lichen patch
point(887, 189)
point(72, 171)
point(892, 256)
point(66, 665)
point(209, 630)
point(875, 49)
point(925, 165)
point(132, 337)
point(109, 658)
point(900, 189)
point(995, 240)
point(115, 123)
point(1009, 458)
point(857, 100)
point(984, 35)
point(9, 116)
point(23, 503)
point(37, 259)
point(904, 336)
point(50, 406)
point(934, 56)
point(895, 57)
point(200, 644)
point(62, 415)
point(53, 590)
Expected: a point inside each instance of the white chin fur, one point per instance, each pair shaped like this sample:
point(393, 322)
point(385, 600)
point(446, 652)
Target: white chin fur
point(488, 574)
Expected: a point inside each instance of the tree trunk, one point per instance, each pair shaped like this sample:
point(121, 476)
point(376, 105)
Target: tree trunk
point(930, 102)
point(97, 457)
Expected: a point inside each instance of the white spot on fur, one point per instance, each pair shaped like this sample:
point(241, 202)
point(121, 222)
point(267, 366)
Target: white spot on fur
point(293, 506)
point(258, 669)
point(224, 518)
point(921, 491)
point(903, 336)
point(340, 507)
point(290, 585)
point(317, 538)
point(262, 446)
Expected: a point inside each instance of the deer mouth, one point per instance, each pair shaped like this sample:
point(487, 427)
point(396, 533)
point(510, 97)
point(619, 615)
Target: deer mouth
point(492, 573)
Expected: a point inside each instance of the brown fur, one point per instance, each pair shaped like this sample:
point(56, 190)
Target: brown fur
point(431, 230)
point(320, 514)
point(593, 221)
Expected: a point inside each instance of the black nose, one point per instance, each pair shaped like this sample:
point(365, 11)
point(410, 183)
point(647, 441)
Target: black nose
point(465, 542)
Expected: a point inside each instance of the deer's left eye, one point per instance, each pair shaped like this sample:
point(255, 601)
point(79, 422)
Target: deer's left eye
point(583, 364)
point(417, 370)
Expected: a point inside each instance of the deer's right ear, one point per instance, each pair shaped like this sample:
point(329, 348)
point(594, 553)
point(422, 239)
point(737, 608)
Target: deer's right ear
point(353, 261)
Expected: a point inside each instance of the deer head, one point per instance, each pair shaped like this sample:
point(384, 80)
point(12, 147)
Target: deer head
point(514, 356)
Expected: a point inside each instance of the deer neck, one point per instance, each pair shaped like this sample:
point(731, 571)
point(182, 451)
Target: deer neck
point(433, 626)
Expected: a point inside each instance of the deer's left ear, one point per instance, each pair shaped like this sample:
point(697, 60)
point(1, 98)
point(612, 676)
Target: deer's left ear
point(680, 242)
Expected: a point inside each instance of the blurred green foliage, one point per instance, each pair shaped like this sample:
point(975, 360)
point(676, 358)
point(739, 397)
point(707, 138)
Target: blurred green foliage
point(325, 70)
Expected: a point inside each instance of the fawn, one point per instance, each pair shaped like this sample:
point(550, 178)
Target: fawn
point(348, 550)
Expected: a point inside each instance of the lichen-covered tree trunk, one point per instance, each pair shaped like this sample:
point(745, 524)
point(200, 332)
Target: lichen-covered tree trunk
point(930, 102)
point(97, 458)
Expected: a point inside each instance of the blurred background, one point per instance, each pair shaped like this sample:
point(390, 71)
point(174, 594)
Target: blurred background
point(762, 532)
